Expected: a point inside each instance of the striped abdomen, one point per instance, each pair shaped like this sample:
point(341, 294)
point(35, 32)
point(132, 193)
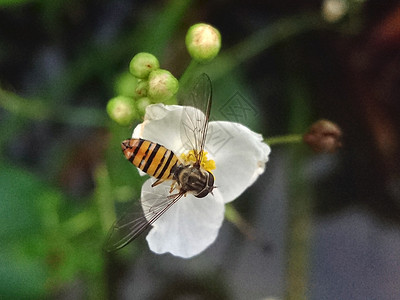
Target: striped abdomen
point(152, 158)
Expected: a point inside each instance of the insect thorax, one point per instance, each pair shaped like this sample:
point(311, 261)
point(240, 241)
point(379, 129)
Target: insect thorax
point(194, 180)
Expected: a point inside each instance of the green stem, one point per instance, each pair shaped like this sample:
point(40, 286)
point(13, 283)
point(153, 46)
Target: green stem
point(260, 41)
point(39, 110)
point(79, 224)
point(233, 216)
point(300, 200)
point(186, 74)
point(32, 109)
point(104, 197)
point(298, 245)
point(284, 139)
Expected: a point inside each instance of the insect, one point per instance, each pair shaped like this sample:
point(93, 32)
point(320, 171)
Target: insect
point(164, 165)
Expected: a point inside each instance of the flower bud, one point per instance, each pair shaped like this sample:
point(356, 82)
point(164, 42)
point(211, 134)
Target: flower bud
point(122, 110)
point(334, 10)
point(162, 85)
point(142, 64)
point(126, 85)
point(324, 136)
point(141, 105)
point(203, 42)
point(141, 89)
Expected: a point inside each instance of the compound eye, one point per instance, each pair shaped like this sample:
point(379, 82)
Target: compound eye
point(207, 189)
point(210, 179)
point(202, 194)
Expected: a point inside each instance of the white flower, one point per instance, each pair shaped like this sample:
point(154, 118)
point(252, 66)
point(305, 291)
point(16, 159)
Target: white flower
point(192, 224)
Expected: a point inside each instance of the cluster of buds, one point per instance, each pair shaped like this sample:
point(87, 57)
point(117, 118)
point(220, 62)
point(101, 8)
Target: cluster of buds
point(146, 83)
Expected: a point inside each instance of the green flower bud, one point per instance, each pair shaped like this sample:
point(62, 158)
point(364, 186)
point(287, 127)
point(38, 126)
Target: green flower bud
point(122, 110)
point(162, 85)
point(142, 64)
point(203, 42)
point(141, 104)
point(125, 85)
point(141, 89)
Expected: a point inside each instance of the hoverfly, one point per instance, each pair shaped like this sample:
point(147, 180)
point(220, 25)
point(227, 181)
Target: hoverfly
point(164, 165)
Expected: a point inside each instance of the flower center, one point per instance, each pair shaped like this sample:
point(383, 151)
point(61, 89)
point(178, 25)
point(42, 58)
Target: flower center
point(206, 164)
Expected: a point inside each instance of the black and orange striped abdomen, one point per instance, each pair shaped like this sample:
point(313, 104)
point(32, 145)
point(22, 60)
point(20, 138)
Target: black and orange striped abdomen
point(152, 158)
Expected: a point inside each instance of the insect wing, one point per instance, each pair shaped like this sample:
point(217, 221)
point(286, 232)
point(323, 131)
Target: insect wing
point(132, 224)
point(196, 113)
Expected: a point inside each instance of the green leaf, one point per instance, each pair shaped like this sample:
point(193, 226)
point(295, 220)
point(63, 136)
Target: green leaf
point(20, 192)
point(21, 277)
point(23, 219)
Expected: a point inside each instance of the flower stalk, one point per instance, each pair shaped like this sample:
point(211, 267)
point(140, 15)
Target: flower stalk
point(104, 197)
point(284, 139)
point(258, 42)
point(233, 216)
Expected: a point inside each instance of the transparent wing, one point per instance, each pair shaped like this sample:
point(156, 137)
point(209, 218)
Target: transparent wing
point(196, 113)
point(132, 224)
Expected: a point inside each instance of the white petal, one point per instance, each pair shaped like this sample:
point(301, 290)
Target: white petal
point(162, 125)
point(240, 156)
point(188, 227)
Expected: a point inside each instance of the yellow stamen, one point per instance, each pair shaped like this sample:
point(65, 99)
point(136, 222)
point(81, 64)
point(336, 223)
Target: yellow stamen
point(206, 164)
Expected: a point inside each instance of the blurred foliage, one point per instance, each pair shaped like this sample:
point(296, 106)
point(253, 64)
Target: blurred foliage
point(54, 222)
point(13, 2)
point(63, 180)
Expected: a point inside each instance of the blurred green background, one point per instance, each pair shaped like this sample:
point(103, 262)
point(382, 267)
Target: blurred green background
point(330, 222)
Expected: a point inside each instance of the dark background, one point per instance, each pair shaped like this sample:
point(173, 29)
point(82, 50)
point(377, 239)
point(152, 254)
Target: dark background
point(61, 169)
